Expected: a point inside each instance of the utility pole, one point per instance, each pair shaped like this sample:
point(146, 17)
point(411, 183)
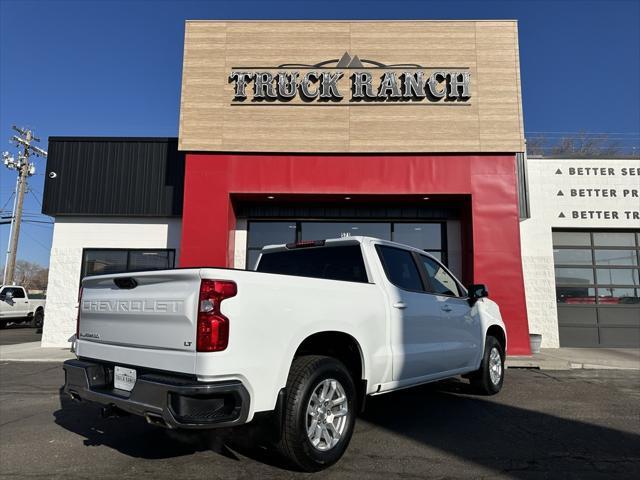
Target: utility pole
point(25, 169)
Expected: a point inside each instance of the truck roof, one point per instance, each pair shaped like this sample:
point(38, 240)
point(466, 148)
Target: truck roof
point(336, 241)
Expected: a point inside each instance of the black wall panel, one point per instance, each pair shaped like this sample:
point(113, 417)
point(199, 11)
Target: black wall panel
point(114, 177)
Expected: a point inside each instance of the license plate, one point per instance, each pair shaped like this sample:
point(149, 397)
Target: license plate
point(124, 378)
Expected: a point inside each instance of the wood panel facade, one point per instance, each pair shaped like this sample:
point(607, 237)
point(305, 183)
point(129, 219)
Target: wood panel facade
point(490, 120)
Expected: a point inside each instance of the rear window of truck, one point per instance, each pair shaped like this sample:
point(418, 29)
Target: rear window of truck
point(331, 263)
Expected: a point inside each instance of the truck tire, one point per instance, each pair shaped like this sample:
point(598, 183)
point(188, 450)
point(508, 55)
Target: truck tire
point(38, 319)
point(488, 379)
point(319, 413)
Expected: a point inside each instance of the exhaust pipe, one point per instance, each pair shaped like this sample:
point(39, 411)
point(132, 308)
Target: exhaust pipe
point(74, 396)
point(155, 419)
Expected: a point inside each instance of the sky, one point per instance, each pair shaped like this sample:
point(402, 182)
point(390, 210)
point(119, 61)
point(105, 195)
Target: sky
point(113, 68)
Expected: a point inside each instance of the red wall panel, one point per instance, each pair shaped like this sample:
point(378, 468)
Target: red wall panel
point(211, 180)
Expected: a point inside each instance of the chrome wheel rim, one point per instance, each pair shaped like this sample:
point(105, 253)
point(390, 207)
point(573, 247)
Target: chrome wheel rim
point(495, 366)
point(327, 414)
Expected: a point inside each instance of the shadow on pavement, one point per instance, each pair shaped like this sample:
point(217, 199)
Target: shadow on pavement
point(19, 333)
point(132, 436)
point(506, 439)
point(443, 416)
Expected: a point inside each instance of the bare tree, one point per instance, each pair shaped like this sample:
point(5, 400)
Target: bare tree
point(580, 145)
point(30, 275)
point(537, 146)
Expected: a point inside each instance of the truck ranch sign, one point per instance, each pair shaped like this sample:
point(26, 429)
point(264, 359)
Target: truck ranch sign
point(369, 82)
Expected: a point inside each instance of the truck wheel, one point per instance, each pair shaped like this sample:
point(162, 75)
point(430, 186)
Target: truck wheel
point(488, 379)
point(38, 319)
point(319, 414)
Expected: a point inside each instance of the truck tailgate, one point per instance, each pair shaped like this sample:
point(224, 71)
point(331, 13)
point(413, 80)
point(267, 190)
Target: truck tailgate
point(140, 318)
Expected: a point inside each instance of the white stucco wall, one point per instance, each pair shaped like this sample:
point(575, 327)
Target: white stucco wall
point(70, 236)
point(547, 206)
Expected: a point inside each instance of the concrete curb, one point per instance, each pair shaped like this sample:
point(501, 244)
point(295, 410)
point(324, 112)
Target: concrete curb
point(33, 352)
point(536, 363)
point(579, 359)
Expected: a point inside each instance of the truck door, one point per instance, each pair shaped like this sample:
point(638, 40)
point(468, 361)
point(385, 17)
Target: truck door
point(460, 324)
point(418, 341)
point(15, 306)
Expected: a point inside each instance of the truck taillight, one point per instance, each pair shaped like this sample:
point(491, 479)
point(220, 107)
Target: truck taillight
point(78, 314)
point(213, 327)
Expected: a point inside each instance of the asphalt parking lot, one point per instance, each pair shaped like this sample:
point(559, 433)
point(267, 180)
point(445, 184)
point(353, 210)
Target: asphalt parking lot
point(570, 424)
point(20, 333)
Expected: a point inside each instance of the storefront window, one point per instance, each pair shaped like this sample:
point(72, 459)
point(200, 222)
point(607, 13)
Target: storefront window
point(323, 230)
point(617, 276)
point(567, 276)
point(571, 256)
point(571, 238)
point(598, 267)
point(575, 295)
point(616, 257)
point(150, 260)
point(427, 236)
point(105, 261)
point(614, 239)
point(618, 296)
point(100, 262)
point(271, 233)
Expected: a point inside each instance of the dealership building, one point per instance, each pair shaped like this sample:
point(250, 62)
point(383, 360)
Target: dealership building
point(408, 131)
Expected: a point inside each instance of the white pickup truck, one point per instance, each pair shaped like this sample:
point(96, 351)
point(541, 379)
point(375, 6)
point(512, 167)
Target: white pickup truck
point(305, 338)
point(16, 306)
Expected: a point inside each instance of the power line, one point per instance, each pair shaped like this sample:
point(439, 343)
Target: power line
point(34, 196)
point(48, 249)
point(8, 200)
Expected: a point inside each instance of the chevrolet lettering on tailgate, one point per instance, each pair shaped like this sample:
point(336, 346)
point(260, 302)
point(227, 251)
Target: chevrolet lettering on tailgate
point(151, 306)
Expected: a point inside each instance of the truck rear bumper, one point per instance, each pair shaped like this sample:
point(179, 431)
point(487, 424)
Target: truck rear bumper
point(163, 399)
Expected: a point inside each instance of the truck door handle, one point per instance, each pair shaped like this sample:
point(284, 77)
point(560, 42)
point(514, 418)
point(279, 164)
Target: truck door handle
point(400, 305)
point(446, 308)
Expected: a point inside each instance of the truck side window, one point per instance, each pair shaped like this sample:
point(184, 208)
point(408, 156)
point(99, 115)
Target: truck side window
point(441, 282)
point(332, 263)
point(400, 268)
point(16, 292)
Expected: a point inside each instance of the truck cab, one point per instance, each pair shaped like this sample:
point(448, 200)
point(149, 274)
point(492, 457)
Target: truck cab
point(16, 306)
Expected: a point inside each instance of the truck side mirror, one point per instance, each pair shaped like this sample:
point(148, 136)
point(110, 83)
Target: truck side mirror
point(478, 290)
